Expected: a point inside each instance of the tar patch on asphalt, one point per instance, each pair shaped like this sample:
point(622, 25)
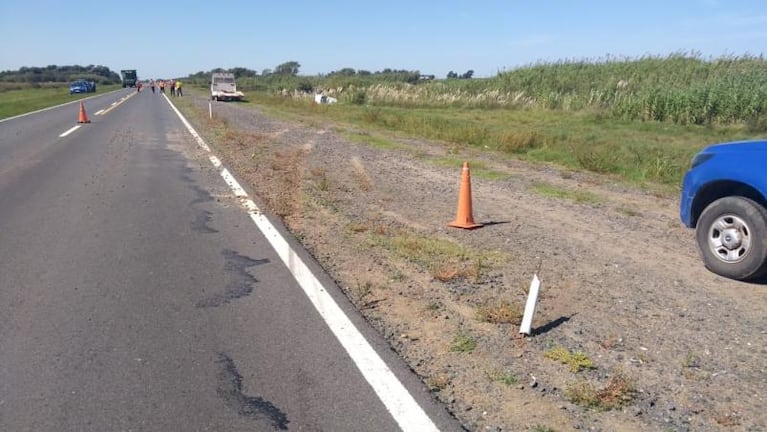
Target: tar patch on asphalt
point(230, 390)
point(241, 282)
point(200, 223)
point(202, 195)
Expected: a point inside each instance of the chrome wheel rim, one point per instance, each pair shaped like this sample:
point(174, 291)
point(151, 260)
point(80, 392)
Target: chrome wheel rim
point(729, 239)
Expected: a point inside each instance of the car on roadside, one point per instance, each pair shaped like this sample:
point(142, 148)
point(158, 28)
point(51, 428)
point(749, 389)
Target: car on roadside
point(724, 198)
point(82, 86)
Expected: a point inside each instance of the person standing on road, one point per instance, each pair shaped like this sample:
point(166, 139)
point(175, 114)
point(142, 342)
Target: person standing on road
point(151, 84)
point(162, 86)
point(179, 92)
point(172, 84)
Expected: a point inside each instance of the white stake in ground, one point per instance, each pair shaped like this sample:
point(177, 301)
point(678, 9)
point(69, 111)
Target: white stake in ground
point(532, 299)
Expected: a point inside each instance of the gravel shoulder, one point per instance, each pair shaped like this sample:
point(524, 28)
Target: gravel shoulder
point(672, 346)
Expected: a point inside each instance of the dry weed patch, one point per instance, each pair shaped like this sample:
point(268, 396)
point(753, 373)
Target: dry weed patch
point(361, 176)
point(728, 420)
point(443, 259)
point(362, 292)
point(357, 228)
point(438, 382)
point(501, 312)
point(618, 391)
point(323, 183)
point(691, 368)
point(287, 167)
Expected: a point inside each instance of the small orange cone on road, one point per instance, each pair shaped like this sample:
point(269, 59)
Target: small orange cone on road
point(82, 118)
point(464, 218)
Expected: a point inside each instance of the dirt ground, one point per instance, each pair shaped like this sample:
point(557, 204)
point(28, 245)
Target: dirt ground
point(631, 332)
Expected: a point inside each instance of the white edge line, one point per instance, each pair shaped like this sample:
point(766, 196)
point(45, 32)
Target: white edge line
point(236, 188)
point(74, 128)
point(98, 112)
point(398, 401)
point(194, 133)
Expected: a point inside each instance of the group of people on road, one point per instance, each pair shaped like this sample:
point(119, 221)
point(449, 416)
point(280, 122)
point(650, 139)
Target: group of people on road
point(174, 85)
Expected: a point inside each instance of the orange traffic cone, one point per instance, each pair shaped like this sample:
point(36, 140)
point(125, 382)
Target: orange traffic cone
point(464, 218)
point(83, 118)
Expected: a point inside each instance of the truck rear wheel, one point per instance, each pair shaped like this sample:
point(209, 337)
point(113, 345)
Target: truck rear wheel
point(732, 238)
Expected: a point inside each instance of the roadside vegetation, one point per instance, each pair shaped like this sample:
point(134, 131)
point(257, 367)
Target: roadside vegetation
point(17, 102)
point(32, 88)
point(639, 120)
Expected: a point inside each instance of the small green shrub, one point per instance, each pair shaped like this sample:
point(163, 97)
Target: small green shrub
point(576, 360)
point(463, 343)
point(504, 377)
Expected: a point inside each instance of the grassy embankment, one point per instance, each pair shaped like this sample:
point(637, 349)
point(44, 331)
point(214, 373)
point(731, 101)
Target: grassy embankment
point(20, 101)
point(639, 120)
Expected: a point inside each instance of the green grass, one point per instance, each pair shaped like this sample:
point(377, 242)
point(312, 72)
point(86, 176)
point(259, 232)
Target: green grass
point(578, 196)
point(478, 169)
point(645, 154)
point(463, 343)
point(444, 259)
point(16, 102)
point(504, 377)
point(576, 360)
point(374, 141)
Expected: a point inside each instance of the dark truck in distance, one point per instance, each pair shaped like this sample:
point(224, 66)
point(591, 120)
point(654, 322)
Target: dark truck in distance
point(129, 77)
point(724, 197)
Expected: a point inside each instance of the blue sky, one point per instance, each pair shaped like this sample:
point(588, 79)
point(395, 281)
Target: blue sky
point(171, 38)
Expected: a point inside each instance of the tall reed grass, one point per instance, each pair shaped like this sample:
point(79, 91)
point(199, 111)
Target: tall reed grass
point(681, 88)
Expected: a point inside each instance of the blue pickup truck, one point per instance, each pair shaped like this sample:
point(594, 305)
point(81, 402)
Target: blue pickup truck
point(724, 197)
point(82, 86)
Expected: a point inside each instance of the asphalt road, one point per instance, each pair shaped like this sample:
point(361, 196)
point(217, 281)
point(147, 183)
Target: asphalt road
point(136, 293)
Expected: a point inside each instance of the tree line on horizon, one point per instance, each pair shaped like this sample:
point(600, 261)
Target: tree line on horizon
point(60, 74)
point(292, 68)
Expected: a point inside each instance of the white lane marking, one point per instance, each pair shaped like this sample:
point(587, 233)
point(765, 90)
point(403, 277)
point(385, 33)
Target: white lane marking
point(398, 401)
point(116, 104)
point(69, 131)
point(189, 127)
point(100, 112)
point(249, 205)
point(236, 188)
